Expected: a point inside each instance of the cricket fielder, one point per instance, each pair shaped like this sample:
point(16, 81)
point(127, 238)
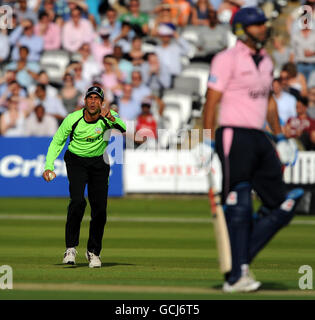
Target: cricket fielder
point(85, 166)
point(240, 79)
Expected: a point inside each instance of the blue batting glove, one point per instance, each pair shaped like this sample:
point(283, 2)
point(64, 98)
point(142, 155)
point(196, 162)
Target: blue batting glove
point(287, 150)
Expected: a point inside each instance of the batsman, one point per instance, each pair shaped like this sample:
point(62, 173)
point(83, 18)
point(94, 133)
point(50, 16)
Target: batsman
point(85, 166)
point(240, 81)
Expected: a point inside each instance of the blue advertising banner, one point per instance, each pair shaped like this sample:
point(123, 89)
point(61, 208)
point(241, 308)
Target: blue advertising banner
point(22, 162)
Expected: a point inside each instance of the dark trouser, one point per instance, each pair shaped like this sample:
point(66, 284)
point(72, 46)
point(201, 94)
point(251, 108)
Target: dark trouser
point(249, 161)
point(94, 172)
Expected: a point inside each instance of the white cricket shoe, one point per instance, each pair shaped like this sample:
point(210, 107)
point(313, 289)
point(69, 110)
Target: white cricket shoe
point(94, 260)
point(69, 256)
point(246, 282)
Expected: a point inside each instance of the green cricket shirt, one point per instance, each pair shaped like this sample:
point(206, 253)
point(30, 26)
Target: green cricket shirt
point(86, 138)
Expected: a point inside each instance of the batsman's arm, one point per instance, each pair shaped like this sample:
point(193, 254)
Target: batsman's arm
point(273, 117)
point(58, 143)
point(213, 97)
point(220, 74)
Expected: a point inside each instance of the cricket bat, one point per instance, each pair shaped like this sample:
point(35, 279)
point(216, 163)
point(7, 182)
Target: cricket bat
point(220, 228)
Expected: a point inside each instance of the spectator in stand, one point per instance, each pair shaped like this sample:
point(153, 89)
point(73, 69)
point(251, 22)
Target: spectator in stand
point(5, 46)
point(281, 54)
point(52, 105)
point(83, 6)
point(15, 91)
point(24, 35)
point(103, 47)
point(8, 77)
point(155, 75)
point(303, 46)
point(12, 89)
point(124, 65)
point(77, 31)
point(69, 94)
point(163, 16)
point(60, 8)
point(311, 102)
point(93, 10)
point(49, 31)
point(137, 63)
point(23, 12)
point(128, 108)
point(12, 120)
point(146, 126)
point(227, 9)
point(136, 49)
point(171, 49)
point(213, 38)
point(90, 67)
point(112, 77)
point(26, 71)
point(139, 89)
point(119, 5)
point(40, 124)
point(138, 20)
point(42, 78)
point(75, 68)
point(296, 80)
point(301, 127)
point(286, 102)
point(180, 11)
point(54, 11)
point(200, 13)
point(125, 37)
point(112, 23)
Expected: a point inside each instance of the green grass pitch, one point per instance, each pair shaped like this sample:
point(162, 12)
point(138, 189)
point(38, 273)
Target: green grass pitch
point(153, 248)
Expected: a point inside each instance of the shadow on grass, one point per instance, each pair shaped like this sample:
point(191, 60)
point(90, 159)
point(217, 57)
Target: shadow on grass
point(86, 264)
point(265, 286)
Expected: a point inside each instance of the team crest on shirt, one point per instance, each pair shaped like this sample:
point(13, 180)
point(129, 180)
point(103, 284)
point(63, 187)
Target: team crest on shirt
point(98, 130)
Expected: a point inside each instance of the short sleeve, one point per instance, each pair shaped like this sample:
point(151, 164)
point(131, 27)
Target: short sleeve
point(220, 71)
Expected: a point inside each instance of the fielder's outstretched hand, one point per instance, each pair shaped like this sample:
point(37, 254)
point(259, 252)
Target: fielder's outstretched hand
point(49, 175)
point(105, 112)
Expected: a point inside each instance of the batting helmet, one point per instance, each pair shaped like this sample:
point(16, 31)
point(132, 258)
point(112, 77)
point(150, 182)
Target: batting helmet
point(96, 90)
point(246, 17)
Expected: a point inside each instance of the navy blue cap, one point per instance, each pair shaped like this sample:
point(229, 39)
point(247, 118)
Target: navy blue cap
point(96, 90)
point(246, 17)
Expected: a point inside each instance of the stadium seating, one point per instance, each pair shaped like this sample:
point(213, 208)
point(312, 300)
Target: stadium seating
point(172, 123)
point(190, 84)
point(183, 99)
point(54, 62)
point(200, 71)
point(191, 34)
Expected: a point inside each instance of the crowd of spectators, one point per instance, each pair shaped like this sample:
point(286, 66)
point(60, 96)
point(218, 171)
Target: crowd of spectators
point(134, 50)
